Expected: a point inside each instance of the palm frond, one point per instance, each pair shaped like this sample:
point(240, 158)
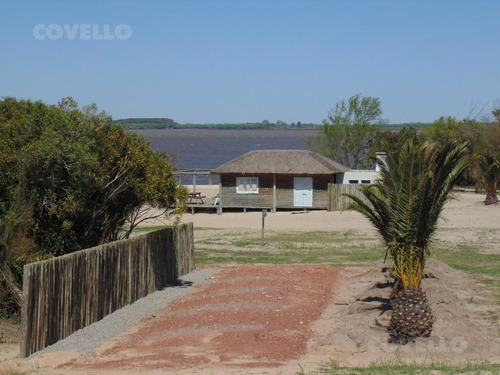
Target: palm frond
point(405, 203)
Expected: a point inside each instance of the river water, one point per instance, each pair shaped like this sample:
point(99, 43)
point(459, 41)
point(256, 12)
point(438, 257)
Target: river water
point(205, 148)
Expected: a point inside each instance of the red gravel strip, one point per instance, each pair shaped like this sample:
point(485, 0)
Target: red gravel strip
point(247, 316)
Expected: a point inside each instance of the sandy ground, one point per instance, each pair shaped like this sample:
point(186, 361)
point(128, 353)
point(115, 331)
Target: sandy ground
point(343, 317)
point(466, 211)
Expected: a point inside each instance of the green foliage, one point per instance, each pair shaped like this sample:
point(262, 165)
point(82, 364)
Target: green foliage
point(489, 161)
point(72, 179)
point(443, 130)
point(490, 166)
point(484, 140)
point(349, 130)
point(407, 200)
point(415, 125)
point(391, 140)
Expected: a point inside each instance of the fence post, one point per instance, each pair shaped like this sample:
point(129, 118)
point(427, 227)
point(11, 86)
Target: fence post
point(24, 350)
point(330, 197)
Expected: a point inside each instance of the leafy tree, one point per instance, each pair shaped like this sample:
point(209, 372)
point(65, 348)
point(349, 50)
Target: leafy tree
point(449, 129)
point(444, 129)
point(490, 158)
point(484, 140)
point(72, 179)
point(394, 141)
point(405, 205)
point(496, 112)
point(348, 131)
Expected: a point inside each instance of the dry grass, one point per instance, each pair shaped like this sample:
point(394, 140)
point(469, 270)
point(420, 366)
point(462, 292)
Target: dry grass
point(10, 330)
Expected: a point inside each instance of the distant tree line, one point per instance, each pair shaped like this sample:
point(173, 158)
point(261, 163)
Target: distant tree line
point(167, 123)
point(148, 123)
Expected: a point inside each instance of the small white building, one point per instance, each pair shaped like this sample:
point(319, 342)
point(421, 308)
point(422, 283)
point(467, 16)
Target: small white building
point(364, 176)
point(360, 176)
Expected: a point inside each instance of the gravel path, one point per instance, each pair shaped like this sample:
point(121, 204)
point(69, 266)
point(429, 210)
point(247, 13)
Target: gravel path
point(92, 336)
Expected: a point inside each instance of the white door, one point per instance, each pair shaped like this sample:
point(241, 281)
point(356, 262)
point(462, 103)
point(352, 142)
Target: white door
point(303, 191)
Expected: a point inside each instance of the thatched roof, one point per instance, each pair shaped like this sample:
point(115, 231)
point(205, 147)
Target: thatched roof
point(281, 162)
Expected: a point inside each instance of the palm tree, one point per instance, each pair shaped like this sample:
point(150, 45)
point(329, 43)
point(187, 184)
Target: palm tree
point(490, 168)
point(489, 159)
point(405, 205)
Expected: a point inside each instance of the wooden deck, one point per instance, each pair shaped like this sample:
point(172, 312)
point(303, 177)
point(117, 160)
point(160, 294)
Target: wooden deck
point(206, 207)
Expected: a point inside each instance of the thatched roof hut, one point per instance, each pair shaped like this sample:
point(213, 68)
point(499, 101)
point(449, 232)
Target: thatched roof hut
point(278, 179)
point(297, 162)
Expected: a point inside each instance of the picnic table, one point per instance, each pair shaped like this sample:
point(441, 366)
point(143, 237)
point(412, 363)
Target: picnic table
point(196, 197)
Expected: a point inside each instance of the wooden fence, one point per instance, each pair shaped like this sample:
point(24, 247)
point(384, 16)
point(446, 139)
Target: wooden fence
point(336, 199)
point(67, 293)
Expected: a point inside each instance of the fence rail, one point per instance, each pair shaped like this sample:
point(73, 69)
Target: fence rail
point(336, 199)
point(67, 293)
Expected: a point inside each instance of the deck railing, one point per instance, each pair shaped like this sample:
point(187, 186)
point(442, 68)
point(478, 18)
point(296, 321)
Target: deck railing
point(196, 176)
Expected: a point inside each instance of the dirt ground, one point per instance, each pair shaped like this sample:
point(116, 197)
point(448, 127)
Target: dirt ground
point(243, 317)
point(279, 319)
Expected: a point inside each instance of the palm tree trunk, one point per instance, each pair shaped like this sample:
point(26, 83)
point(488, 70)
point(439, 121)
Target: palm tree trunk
point(411, 315)
point(491, 197)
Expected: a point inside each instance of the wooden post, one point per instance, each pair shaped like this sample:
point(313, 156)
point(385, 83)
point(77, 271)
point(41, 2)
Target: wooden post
point(25, 349)
point(219, 209)
point(330, 193)
point(194, 182)
point(274, 194)
point(264, 214)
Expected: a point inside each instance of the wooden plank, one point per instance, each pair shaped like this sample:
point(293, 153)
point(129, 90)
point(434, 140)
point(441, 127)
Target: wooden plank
point(25, 329)
point(275, 202)
point(337, 201)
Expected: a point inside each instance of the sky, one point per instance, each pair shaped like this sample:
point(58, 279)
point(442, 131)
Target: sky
point(227, 61)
